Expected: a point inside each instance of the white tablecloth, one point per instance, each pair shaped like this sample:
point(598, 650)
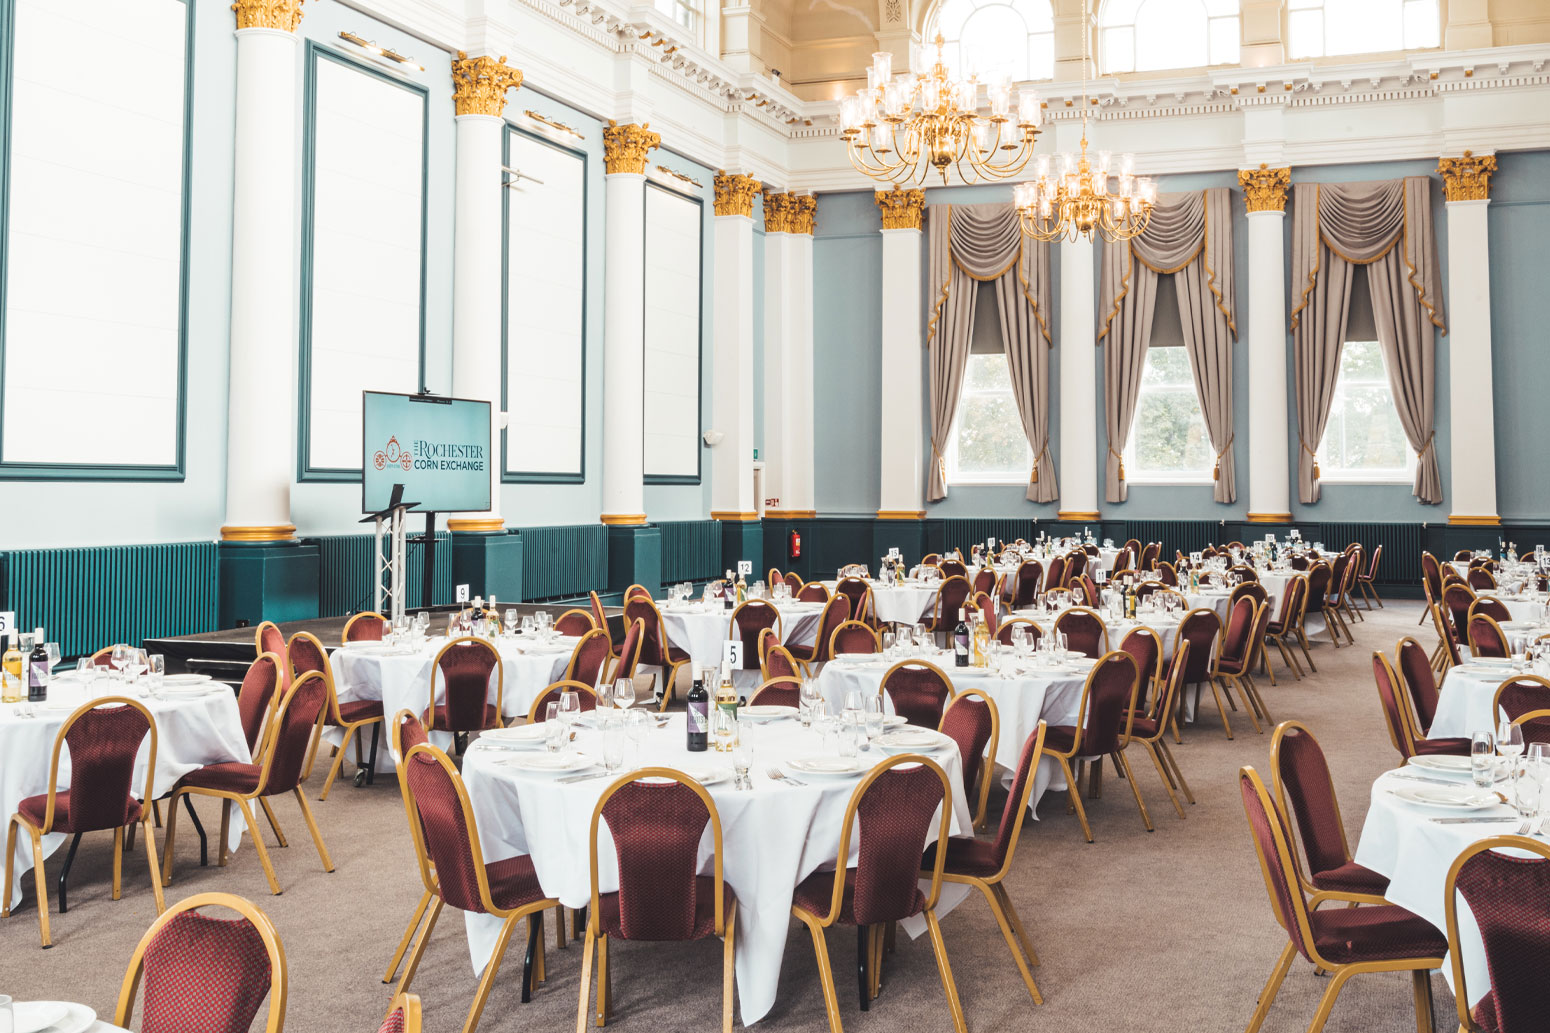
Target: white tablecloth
point(701, 631)
point(772, 838)
point(1522, 608)
point(1521, 634)
point(190, 733)
point(400, 678)
point(904, 604)
point(1022, 701)
point(1167, 628)
point(1464, 703)
point(1400, 840)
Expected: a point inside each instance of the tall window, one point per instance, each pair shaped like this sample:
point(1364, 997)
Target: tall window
point(1143, 35)
point(684, 12)
point(1318, 28)
point(1168, 442)
point(987, 445)
point(995, 38)
point(1364, 440)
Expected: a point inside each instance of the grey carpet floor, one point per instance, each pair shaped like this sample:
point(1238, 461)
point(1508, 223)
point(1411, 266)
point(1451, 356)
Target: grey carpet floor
point(1141, 932)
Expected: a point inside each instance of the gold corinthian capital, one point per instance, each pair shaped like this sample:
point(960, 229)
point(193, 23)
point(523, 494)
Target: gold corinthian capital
point(479, 84)
point(284, 15)
point(625, 147)
point(1467, 178)
point(1264, 188)
point(902, 209)
point(734, 193)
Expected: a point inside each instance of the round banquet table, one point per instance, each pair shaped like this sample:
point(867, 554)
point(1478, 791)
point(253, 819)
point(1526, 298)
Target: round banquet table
point(1166, 626)
point(1049, 694)
point(400, 677)
point(191, 731)
point(1466, 698)
point(1401, 841)
point(1526, 608)
point(903, 604)
point(773, 837)
point(701, 630)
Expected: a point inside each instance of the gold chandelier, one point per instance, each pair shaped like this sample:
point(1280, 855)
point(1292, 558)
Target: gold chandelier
point(1078, 200)
point(893, 124)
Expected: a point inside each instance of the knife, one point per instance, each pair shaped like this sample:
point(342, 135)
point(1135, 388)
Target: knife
point(1472, 821)
point(567, 780)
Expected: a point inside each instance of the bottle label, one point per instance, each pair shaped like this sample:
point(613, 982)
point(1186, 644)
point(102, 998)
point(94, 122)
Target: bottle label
point(961, 644)
point(39, 673)
point(699, 717)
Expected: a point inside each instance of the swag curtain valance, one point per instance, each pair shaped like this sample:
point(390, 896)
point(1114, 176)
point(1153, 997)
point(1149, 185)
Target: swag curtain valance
point(1189, 238)
point(1386, 226)
point(971, 244)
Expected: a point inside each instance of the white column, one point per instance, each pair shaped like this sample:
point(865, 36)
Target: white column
point(902, 453)
point(788, 354)
point(1270, 483)
point(260, 454)
point(1079, 412)
point(731, 461)
point(1472, 423)
point(624, 342)
point(476, 290)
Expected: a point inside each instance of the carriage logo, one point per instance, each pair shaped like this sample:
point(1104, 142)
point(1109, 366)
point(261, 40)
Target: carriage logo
point(392, 455)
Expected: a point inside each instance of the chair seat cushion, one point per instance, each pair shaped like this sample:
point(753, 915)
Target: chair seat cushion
point(1142, 727)
point(358, 710)
point(1351, 878)
point(229, 777)
point(1229, 664)
point(1450, 747)
point(492, 719)
point(513, 883)
point(966, 855)
point(34, 808)
point(704, 908)
point(814, 894)
point(1485, 1013)
point(1381, 932)
point(1059, 738)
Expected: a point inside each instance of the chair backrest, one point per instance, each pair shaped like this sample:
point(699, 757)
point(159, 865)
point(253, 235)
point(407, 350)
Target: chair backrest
point(1076, 565)
point(1480, 578)
point(919, 691)
point(1240, 626)
point(574, 623)
point(1431, 573)
point(1289, 607)
point(1144, 646)
point(653, 640)
point(268, 639)
point(1445, 634)
point(972, 721)
point(1085, 631)
point(835, 612)
point(629, 649)
point(447, 834)
point(774, 576)
point(657, 827)
point(985, 581)
point(465, 666)
point(586, 694)
point(1318, 585)
point(1275, 862)
point(302, 709)
point(1200, 628)
point(892, 810)
point(365, 626)
point(588, 658)
point(1149, 555)
point(1089, 588)
point(403, 1015)
point(1420, 680)
point(778, 691)
point(953, 568)
point(1335, 592)
point(1165, 701)
point(637, 591)
point(1108, 698)
point(931, 559)
point(1257, 632)
point(748, 622)
point(1396, 713)
point(1457, 598)
point(1015, 809)
point(256, 699)
point(1305, 789)
point(1248, 575)
point(600, 618)
point(1492, 607)
point(1250, 589)
point(794, 582)
point(1372, 568)
point(987, 610)
point(853, 637)
point(104, 736)
point(859, 593)
point(1168, 573)
point(812, 592)
point(1509, 897)
point(200, 972)
point(306, 654)
point(778, 663)
point(1486, 637)
point(1005, 629)
point(1028, 582)
point(1055, 573)
point(951, 596)
point(1525, 699)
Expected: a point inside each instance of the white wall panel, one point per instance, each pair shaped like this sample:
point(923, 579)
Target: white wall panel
point(94, 236)
point(672, 324)
point(363, 324)
point(545, 298)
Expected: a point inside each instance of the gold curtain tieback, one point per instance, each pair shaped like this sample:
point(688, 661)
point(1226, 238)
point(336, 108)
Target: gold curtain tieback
point(1034, 478)
point(1421, 454)
point(1216, 471)
point(1121, 459)
point(941, 464)
point(1311, 455)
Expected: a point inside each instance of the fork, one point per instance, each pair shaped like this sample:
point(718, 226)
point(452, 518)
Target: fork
point(778, 775)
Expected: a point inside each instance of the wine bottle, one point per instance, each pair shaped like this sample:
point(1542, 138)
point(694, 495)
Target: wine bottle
point(12, 665)
point(726, 704)
point(37, 670)
point(726, 592)
point(961, 640)
point(698, 717)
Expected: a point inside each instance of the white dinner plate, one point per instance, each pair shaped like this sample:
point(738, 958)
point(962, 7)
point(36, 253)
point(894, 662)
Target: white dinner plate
point(707, 776)
point(765, 712)
point(36, 1016)
point(1492, 661)
point(829, 767)
point(521, 733)
point(186, 691)
point(551, 763)
point(1459, 798)
point(903, 740)
point(369, 648)
point(185, 679)
point(1442, 762)
point(855, 658)
point(894, 721)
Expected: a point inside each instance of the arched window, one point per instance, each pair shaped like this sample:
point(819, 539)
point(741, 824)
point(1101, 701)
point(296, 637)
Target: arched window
point(1143, 35)
point(995, 38)
point(1318, 28)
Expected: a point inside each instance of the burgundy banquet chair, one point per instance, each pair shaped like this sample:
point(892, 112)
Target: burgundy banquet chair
point(1106, 711)
point(1301, 776)
point(589, 658)
point(656, 651)
point(919, 692)
point(306, 654)
point(1399, 722)
point(1509, 897)
point(365, 626)
point(466, 667)
point(973, 723)
point(853, 637)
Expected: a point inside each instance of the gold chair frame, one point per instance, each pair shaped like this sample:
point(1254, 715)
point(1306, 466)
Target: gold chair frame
point(344, 636)
point(1528, 845)
point(332, 716)
point(876, 644)
point(1103, 625)
point(1156, 746)
point(1490, 622)
point(1073, 783)
point(564, 685)
point(427, 874)
point(409, 1004)
point(979, 794)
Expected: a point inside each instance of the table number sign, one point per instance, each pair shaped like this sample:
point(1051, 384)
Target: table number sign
point(732, 653)
point(745, 567)
point(7, 622)
point(462, 594)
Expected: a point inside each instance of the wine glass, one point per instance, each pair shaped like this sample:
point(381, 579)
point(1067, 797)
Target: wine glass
point(874, 715)
point(605, 695)
point(570, 706)
point(637, 723)
point(742, 754)
point(613, 748)
point(810, 697)
point(1482, 758)
point(52, 649)
point(1509, 744)
point(119, 658)
point(156, 667)
point(624, 693)
point(137, 664)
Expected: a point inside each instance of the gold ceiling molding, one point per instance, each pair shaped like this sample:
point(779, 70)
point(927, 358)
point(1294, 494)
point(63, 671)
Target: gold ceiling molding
point(735, 193)
point(625, 147)
point(479, 84)
point(1264, 188)
point(1467, 178)
point(902, 209)
point(284, 15)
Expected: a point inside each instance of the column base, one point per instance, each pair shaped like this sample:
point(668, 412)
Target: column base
point(901, 514)
point(1269, 518)
point(790, 514)
point(488, 563)
point(634, 557)
point(274, 580)
point(732, 514)
point(743, 540)
point(477, 525)
point(1460, 520)
point(623, 520)
point(1077, 514)
point(260, 533)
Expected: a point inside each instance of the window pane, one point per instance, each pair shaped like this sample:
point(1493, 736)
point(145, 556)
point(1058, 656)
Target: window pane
point(1420, 24)
point(1363, 26)
point(987, 372)
point(1041, 55)
point(1170, 34)
point(1307, 34)
point(994, 43)
point(1224, 41)
point(951, 16)
point(1119, 49)
point(1363, 360)
point(1167, 366)
point(1364, 435)
point(990, 437)
point(1169, 434)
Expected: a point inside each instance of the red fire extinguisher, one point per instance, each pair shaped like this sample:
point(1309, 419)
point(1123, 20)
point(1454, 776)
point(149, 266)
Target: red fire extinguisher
point(795, 545)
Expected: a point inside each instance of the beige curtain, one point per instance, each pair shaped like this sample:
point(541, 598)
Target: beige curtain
point(1188, 238)
point(1387, 227)
point(970, 244)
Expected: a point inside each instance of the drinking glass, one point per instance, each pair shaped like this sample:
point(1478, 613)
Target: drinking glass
point(137, 665)
point(570, 706)
point(613, 748)
point(849, 739)
point(636, 724)
point(905, 637)
point(1527, 796)
point(874, 716)
point(510, 622)
point(52, 649)
point(605, 695)
point(742, 756)
point(624, 693)
point(723, 729)
point(1020, 638)
point(555, 732)
point(453, 626)
point(119, 657)
point(923, 639)
point(527, 624)
point(1509, 742)
point(1482, 758)
point(887, 640)
point(810, 697)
